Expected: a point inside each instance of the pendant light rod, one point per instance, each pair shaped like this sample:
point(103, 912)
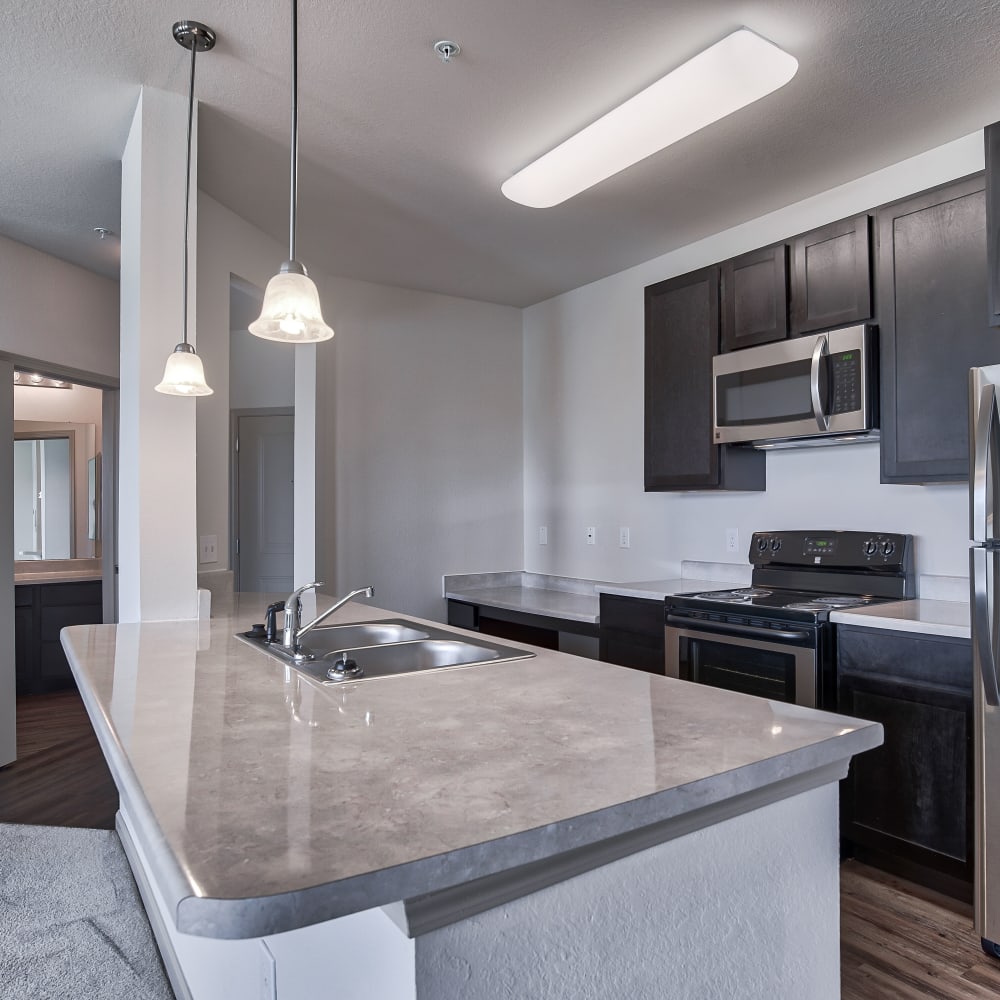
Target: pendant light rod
point(197, 37)
point(294, 168)
point(187, 194)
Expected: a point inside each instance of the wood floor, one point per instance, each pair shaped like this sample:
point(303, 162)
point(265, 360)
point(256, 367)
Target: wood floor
point(898, 942)
point(60, 777)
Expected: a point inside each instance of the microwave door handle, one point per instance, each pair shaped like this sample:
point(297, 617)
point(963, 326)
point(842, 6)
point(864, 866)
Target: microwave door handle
point(822, 419)
point(982, 623)
point(982, 508)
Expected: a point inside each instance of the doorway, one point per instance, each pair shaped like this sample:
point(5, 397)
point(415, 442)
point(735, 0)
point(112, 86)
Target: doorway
point(262, 545)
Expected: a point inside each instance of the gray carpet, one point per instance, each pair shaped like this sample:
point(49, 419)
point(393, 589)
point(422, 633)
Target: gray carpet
point(71, 921)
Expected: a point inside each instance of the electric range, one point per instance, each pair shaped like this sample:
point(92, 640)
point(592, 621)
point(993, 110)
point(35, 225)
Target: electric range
point(774, 638)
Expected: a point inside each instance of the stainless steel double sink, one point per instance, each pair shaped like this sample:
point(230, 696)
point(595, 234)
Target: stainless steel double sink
point(337, 653)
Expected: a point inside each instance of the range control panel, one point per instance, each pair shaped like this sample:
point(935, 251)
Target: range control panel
point(858, 550)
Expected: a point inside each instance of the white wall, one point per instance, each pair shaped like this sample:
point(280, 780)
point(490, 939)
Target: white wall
point(57, 312)
point(423, 470)
point(418, 450)
point(77, 405)
point(583, 423)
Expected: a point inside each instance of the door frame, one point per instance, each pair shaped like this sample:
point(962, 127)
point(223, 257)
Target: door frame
point(109, 385)
point(234, 492)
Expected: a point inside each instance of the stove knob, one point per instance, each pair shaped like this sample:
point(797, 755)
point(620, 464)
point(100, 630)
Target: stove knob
point(775, 544)
point(888, 548)
point(761, 544)
point(870, 548)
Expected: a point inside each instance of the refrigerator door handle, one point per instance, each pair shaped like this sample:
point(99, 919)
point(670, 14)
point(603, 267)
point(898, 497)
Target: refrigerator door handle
point(982, 624)
point(982, 513)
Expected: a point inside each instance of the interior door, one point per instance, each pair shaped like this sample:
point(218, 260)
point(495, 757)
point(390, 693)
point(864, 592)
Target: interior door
point(264, 502)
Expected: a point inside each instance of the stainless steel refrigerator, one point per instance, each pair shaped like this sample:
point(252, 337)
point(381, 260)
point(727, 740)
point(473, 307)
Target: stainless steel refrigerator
point(984, 580)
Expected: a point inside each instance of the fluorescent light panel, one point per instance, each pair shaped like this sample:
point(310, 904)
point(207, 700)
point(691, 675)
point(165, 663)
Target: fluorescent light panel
point(733, 73)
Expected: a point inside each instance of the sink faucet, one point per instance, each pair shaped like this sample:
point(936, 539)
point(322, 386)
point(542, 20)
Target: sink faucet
point(293, 630)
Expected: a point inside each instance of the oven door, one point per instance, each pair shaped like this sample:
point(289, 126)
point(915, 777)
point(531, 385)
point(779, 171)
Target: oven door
point(780, 664)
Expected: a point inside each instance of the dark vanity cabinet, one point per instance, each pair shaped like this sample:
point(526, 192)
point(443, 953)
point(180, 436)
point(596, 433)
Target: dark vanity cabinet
point(755, 298)
point(934, 326)
point(632, 632)
point(681, 338)
point(831, 282)
point(41, 611)
point(907, 806)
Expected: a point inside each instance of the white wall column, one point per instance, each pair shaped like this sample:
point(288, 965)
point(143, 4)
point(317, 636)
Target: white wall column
point(157, 480)
point(304, 497)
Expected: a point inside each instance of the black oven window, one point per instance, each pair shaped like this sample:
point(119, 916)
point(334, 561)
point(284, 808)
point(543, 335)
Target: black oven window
point(766, 673)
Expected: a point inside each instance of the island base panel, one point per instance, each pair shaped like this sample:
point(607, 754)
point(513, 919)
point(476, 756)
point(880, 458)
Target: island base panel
point(748, 907)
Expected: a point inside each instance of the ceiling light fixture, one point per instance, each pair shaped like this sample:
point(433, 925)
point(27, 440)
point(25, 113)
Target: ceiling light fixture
point(37, 381)
point(729, 75)
point(184, 374)
point(291, 311)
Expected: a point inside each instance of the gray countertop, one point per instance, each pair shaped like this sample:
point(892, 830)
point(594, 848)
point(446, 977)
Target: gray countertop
point(529, 593)
point(269, 801)
point(920, 616)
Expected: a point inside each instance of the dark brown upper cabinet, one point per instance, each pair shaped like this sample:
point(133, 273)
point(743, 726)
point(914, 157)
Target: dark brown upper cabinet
point(682, 336)
point(755, 298)
point(831, 276)
point(934, 326)
point(991, 136)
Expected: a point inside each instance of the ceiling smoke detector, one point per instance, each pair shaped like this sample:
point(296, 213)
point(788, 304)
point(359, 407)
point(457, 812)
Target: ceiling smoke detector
point(447, 50)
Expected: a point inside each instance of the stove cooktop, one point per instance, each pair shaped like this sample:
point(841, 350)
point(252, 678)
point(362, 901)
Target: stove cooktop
point(773, 602)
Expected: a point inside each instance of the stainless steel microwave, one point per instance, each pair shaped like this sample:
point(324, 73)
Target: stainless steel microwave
point(817, 389)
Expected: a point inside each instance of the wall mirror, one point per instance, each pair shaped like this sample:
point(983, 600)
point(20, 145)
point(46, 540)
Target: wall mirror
point(56, 490)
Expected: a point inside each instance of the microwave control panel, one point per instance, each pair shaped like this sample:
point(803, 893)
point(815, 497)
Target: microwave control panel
point(845, 382)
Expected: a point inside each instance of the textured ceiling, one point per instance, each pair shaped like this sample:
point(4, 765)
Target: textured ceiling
point(403, 156)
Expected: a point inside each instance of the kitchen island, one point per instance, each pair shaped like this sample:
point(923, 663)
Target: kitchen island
point(552, 827)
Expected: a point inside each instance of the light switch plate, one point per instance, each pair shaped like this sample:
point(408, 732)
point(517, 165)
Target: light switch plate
point(208, 549)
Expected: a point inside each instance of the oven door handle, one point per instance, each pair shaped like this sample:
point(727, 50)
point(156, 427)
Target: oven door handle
point(746, 630)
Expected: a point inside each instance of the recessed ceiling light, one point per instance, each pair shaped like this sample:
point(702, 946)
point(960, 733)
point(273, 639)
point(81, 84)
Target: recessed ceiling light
point(733, 73)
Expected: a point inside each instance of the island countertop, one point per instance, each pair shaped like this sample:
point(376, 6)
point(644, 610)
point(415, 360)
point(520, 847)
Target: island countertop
point(268, 801)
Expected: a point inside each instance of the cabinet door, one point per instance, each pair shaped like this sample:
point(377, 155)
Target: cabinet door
point(934, 327)
point(910, 801)
point(831, 276)
point(682, 336)
point(755, 298)
point(631, 633)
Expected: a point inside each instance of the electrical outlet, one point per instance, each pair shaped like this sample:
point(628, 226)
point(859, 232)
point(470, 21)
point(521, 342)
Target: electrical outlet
point(268, 974)
point(592, 536)
point(543, 535)
point(623, 540)
point(208, 549)
point(732, 539)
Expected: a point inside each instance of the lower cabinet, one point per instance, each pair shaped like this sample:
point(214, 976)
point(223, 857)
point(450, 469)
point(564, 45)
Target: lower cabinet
point(907, 806)
point(41, 611)
point(632, 632)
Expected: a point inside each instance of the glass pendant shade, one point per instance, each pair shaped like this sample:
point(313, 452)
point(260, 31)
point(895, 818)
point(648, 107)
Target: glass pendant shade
point(291, 312)
point(184, 374)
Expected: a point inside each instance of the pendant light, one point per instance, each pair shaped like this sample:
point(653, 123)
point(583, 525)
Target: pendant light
point(291, 310)
point(184, 374)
